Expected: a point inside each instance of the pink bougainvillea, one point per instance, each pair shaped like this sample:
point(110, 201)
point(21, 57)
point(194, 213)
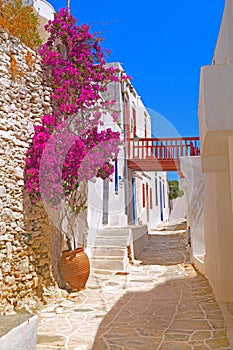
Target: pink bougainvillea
point(69, 147)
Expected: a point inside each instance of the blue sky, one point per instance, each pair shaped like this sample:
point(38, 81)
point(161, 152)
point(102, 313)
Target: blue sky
point(161, 45)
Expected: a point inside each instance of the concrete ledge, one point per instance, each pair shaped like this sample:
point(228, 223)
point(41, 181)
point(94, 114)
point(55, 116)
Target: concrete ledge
point(18, 332)
point(155, 232)
point(199, 263)
point(139, 239)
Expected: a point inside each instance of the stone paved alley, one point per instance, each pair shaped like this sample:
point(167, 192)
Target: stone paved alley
point(161, 304)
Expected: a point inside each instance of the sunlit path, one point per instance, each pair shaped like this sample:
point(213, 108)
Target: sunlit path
point(162, 303)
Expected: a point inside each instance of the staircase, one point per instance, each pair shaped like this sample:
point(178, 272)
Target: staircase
point(110, 252)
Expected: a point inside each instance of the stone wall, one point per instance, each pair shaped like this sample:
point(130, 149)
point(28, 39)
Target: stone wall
point(24, 246)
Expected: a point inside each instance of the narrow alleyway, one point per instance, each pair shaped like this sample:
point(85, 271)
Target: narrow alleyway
point(162, 304)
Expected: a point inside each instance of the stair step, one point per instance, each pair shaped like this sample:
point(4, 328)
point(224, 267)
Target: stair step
point(108, 264)
point(111, 241)
point(108, 251)
point(113, 232)
point(103, 257)
point(103, 272)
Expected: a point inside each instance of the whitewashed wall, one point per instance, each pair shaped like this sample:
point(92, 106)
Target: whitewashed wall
point(117, 201)
point(216, 132)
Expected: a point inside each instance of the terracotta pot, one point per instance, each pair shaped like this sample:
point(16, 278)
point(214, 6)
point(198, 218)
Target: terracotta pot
point(75, 268)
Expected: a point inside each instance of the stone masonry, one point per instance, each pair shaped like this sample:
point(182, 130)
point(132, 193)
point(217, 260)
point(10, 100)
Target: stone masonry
point(23, 100)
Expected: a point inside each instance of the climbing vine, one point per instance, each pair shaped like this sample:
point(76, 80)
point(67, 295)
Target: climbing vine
point(14, 68)
point(69, 147)
point(29, 59)
point(20, 21)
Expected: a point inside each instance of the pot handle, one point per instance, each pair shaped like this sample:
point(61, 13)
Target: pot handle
point(73, 254)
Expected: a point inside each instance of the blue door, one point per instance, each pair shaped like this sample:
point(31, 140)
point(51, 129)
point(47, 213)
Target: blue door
point(134, 208)
point(161, 200)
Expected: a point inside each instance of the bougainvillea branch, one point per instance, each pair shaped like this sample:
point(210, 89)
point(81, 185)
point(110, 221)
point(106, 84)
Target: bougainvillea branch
point(69, 146)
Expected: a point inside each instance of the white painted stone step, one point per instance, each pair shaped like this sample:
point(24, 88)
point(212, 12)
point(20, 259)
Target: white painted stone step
point(109, 264)
point(108, 251)
point(113, 232)
point(111, 242)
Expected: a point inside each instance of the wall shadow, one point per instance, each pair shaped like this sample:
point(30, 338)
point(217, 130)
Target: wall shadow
point(178, 314)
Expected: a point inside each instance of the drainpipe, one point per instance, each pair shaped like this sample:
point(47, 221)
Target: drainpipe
point(68, 5)
point(125, 152)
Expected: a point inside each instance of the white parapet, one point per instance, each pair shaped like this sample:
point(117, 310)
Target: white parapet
point(215, 116)
point(18, 332)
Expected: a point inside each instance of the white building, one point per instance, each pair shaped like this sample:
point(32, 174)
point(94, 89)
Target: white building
point(216, 134)
point(133, 197)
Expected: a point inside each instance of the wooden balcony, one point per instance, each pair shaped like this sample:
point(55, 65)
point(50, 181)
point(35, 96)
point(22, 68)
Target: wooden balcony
point(154, 154)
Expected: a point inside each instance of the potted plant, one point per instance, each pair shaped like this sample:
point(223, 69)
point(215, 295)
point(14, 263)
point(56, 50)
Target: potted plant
point(68, 149)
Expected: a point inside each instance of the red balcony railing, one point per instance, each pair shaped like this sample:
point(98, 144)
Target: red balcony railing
point(165, 152)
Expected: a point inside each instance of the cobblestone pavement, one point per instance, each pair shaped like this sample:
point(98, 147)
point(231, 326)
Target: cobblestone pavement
point(161, 304)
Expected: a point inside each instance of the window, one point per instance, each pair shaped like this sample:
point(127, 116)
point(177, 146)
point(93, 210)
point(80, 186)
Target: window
point(143, 196)
point(145, 129)
point(134, 126)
